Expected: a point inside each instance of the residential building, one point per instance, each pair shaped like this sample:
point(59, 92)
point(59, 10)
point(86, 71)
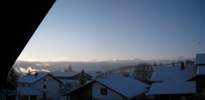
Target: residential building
point(38, 86)
point(110, 87)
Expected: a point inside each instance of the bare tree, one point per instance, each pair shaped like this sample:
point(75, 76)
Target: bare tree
point(143, 72)
point(68, 69)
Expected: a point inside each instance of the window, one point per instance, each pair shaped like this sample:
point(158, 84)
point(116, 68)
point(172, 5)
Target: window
point(44, 86)
point(103, 91)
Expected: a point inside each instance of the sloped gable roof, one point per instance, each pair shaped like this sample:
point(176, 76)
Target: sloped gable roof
point(31, 79)
point(127, 86)
point(169, 73)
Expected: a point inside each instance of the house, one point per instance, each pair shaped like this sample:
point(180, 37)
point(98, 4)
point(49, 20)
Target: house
point(199, 76)
point(200, 59)
point(38, 86)
point(71, 76)
point(72, 80)
point(110, 87)
point(83, 92)
point(117, 87)
point(173, 90)
point(170, 73)
point(172, 82)
point(28, 93)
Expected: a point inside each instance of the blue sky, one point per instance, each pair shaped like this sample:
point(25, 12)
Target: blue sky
point(87, 30)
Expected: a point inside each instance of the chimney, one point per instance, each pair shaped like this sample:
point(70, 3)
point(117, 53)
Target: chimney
point(36, 74)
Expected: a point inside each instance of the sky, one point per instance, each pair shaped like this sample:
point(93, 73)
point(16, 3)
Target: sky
point(97, 30)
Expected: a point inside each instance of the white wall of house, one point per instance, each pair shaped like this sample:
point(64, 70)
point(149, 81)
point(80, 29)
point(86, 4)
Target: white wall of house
point(52, 87)
point(111, 95)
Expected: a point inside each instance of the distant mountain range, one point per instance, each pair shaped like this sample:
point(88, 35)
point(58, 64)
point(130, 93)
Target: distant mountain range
point(89, 66)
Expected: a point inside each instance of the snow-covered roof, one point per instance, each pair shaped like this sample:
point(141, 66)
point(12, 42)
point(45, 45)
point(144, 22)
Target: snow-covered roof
point(93, 74)
point(172, 88)
point(126, 86)
point(31, 78)
point(201, 70)
point(27, 91)
point(64, 74)
point(172, 73)
point(200, 58)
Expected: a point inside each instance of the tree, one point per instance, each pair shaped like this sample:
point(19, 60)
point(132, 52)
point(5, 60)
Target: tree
point(189, 62)
point(143, 72)
point(83, 77)
point(68, 69)
point(12, 78)
point(11, 83)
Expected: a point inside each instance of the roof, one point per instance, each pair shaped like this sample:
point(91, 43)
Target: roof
point(200, 59)
point(64, 74)
point(200, 70)
point(93, 74)
point(127, 86)
point(170, 73)
point(32, 78)
point(172, 88)
point(27, 91)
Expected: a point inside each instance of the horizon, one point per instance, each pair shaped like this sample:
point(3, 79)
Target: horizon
point(53, 66)
point(77, 30)
point(111, 60)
